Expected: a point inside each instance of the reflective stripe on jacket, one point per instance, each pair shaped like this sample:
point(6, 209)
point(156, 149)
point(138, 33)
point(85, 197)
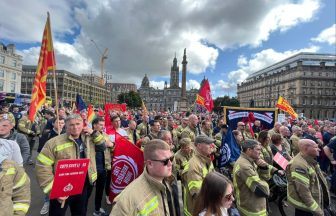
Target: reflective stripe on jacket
point(193, 174)
point(246, 178)
point(15, 189)
point(306, 185)
point(64, 147)
point(143, 197)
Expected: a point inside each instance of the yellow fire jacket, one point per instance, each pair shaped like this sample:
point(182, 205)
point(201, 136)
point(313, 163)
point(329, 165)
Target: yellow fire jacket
point(307, 188)
point(193, 174)
point(247, 178)
point(15, 189)
point(64, 147)
point(144, 196)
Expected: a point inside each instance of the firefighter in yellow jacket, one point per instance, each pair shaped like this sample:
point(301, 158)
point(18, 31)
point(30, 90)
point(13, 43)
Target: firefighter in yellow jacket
point(78, 142)
point(195, 171)
point(249, 180)
point(15, 189)
point(150, 194)
point(307, 187)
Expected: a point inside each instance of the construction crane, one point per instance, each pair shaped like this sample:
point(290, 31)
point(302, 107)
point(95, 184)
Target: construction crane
point(102, 60)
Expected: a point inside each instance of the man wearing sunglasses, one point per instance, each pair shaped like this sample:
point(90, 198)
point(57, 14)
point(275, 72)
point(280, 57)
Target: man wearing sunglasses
point(150, 193)
point(196, 169)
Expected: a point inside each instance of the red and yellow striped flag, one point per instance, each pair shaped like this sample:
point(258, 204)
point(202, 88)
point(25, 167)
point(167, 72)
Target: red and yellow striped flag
point(46, 62)
point(200, 100)
point(284, 105)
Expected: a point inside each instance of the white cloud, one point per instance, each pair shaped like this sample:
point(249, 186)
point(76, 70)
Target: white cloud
point(142, 36)
point(68, 57)
point(328, 35)
point(192, 84)
point(260, 60)
point(221, 88)
point(23, 21)
point(285, 16)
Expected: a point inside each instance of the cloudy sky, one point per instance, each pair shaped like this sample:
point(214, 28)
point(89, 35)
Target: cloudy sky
point(225, 40)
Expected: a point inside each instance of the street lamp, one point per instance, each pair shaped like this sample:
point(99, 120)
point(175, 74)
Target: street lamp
point(107, 77)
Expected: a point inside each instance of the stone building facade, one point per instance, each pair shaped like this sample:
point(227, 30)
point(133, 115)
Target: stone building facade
point(166, 99)
point(68, 85)
point(116, 89)
point(306, 80)
point(10, 69)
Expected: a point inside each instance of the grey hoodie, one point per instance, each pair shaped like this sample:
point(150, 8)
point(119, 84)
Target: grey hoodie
point(22, 142)
point(10, 150)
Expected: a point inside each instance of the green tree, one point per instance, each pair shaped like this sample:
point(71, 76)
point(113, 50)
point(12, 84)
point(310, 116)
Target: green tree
point(132, 99)
point(225, 101)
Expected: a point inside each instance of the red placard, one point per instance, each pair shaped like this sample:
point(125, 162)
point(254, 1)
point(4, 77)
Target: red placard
point(281, 160)
point(69, 177)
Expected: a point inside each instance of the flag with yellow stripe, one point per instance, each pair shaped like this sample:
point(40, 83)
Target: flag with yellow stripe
point(46, 62)
point(284, 105)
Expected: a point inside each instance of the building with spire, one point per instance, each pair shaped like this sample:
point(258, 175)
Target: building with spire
point(168, 98)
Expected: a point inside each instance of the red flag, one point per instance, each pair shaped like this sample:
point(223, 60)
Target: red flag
point(100, 112)
point(127, 165)
point(204, 97)
point(46, 62)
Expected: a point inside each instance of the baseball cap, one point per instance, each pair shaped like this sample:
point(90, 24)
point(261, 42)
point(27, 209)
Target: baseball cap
point(204, 139)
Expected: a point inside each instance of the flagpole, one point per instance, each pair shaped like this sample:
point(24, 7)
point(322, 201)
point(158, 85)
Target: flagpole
point(55, 85)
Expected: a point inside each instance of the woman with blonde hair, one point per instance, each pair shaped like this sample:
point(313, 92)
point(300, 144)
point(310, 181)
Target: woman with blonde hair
point(215, 197)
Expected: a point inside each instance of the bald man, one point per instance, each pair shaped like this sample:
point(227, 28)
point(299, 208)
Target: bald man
point(275, 130)
point(284, 132)
point(307, 187)
point(191, 131)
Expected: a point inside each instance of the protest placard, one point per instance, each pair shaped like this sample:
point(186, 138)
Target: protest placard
point(280, 160)
point(69, 177)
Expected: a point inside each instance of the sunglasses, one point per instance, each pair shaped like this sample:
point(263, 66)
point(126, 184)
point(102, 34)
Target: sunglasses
point(165, 161)
point(229, 196)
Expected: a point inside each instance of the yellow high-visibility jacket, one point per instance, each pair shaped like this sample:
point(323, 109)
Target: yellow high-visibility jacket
point(15, 189)
point(64, 147)
point(307, 188)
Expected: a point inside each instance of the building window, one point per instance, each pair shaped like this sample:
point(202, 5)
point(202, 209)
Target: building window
point(2, 82)
point(2, 73)
point(14, 63)
point(13, 76)
point(12, 87)
point(2, 59)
